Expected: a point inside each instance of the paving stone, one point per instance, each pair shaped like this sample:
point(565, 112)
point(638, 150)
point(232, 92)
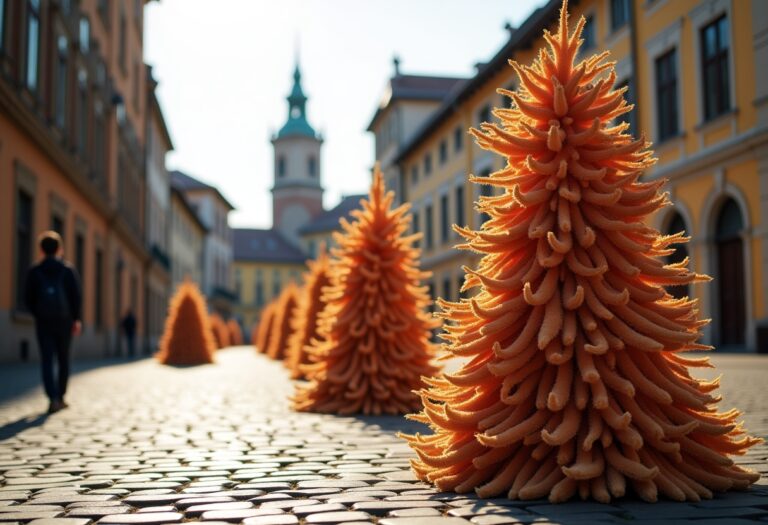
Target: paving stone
point(411, 513)
point(381, 508)
point(317, 509)
point(234, 515)
point(163, 508)
point(288, 504)
point(30, 515)
point(97, 512)
point(197, 510)
point(337, 517)
point(60, 521)
point(427, 520)
point(278, 519)
point(25, 507)
point(149, 518)
point(191, 502)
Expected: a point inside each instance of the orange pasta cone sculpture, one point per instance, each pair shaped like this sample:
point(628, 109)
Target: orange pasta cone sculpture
point(281, 329)
point(574, 383)
point(263, 330)
point(220, 331)
point(187, 338)
point(235, 332)
point(374, 334)
point(305, 321)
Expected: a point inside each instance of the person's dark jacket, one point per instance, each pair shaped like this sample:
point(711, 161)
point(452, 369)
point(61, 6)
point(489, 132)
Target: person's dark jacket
point(50, 267)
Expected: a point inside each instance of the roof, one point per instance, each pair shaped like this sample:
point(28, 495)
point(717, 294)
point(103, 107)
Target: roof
point(189, 208)
point(297, 123)
point(415, 87)
point(157, 110)
point(531, 29)
point(329, 220)
point(184, 182)
point(255, 245)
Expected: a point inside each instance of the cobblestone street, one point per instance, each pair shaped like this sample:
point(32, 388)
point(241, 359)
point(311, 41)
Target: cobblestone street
point(148, 444)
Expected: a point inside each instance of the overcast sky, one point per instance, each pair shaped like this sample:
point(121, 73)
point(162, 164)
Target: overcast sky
point(225, 68)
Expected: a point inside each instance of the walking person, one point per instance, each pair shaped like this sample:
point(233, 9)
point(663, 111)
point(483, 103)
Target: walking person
point(54, 298)
point(129, 330)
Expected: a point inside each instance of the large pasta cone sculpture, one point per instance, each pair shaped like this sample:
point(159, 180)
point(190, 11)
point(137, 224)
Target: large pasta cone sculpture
point(281, 328)
point(264, 328)
point(374, 333)
point(235, 332)
point(305, 322)
point(187, 338)
point(574, 381)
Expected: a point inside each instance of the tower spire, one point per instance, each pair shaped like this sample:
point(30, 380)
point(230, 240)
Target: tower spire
point(297, 123)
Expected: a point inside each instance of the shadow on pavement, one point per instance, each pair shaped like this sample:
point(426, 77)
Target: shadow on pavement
point(11, 429)
point(393, 424)
point(19, 379)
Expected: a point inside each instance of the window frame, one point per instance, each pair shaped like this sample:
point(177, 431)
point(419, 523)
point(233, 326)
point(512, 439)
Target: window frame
point(32, 77)
point(668, 60)
point(429, 238)
point(445, 218)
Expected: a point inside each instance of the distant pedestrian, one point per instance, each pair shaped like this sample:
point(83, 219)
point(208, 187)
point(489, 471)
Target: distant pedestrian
point(129, 330)
point(54, 298)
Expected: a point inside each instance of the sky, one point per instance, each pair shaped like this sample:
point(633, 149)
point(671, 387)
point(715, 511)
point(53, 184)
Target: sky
point(224, 73)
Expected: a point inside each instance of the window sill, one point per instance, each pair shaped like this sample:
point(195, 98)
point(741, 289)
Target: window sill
point(719, 119)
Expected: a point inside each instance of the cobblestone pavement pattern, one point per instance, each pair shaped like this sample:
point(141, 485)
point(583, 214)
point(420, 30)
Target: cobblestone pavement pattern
point(147, 444)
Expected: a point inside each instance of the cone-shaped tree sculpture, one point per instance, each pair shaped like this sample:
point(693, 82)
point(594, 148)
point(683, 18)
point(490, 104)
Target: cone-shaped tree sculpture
point(575, 383)
point(374, 344)
point(281, 328)
point(264, 328)
point(305, 321)
point(220, 331)
point(235, 332)
point(187, 338)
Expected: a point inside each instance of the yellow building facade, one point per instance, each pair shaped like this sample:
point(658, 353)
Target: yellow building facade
point(701, 94)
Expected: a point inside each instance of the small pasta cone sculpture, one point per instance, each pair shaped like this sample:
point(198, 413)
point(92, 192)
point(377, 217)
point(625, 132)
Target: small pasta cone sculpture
point(220, 331)
point(263, 330)
point(235, 332)
point(305, 321)
point(281, 329)
point(187, 338)
point(574, 382)
point(374, 344)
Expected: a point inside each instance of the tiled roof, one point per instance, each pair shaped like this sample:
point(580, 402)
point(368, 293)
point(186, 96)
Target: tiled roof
point(329, 220)
point(416, 87)
point(519, 38)
point(250, 244)
point(184, 182)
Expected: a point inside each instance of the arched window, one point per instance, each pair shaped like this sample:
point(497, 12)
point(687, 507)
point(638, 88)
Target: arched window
point(732, 300)
point(312, 166)
point(677, 225)
point(281, 166)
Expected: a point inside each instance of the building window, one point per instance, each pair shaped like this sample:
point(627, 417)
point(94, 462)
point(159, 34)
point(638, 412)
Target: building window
point(312, 248)
point(33, 43)
point(458, 139)
point(619, 14)
point(259, 296)
point(85, 35)
point(677, 225)
point(2, 24)
point(460, 205)
point(24, 229)
point(57, 224)
point(588, 33)
point(312, 166)
point(445, 227)
point(414, 174)
point(281, 166)
point(714, 66)
point(484, 115)
point(447, 289)
point(80, 255)
point(443, 151)
point(427, 164)
point(666, 95)
point(82, 114)
point(61, 82)
point(98, 289)
point(416, 226)
point(276, 285)
point(428, 236)
point(121, 40)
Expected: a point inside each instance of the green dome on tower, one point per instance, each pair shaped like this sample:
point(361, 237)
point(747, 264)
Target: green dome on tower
point(297, 112)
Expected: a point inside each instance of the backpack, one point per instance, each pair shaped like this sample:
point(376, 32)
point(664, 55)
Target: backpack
point(52, 302)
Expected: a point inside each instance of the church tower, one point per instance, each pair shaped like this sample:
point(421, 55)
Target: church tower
point(297, 195)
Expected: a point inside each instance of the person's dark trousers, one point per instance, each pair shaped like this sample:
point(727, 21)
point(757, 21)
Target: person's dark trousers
point(54, 339)
point(131, 348)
